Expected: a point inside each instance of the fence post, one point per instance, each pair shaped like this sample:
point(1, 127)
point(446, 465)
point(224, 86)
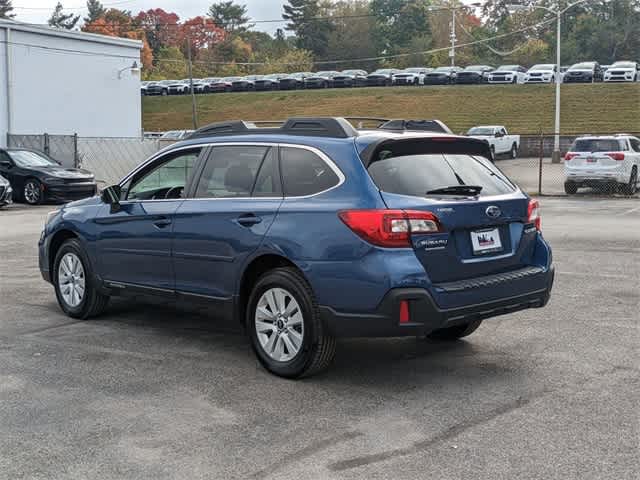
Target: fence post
point(76, 159)
point(46, 143)
point(540, 163)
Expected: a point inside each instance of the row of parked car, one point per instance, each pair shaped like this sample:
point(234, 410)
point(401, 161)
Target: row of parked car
point(584, 72)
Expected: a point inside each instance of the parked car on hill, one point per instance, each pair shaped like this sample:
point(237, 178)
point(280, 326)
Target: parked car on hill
point(411, 76)
point(442, 76)
point(224, 84)
point(421, 235)
point(382, 77)
point(158, 87)
point(584, 72)
point(320, 80)
point(268, 82)
point(507, 74)
point(474, 74)
point(143, 88)
point(541, 73)
point(623, 72)
point(36, 178)
point(6, 192)
point(294, 81)
point(245, 84)
point(611, 161)
point(180, 87)
point(498, 138)
point(350, 78)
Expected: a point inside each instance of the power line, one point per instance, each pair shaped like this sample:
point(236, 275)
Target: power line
point(17, 7)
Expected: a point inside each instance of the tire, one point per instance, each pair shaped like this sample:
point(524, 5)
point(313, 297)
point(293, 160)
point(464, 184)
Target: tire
point(316, 346)
point(164, 93)
point(454, 333)
point(630, 188)
point(32, 192)
point(71, 260)
point(513, 153)
point(570, 188)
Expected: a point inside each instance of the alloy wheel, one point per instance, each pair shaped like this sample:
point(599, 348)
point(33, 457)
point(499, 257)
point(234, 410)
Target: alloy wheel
point(279, 324)
point(32, 192)
point(71, 279)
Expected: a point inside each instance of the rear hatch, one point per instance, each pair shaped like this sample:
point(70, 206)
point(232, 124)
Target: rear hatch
point(484, 218)
point(595, 155)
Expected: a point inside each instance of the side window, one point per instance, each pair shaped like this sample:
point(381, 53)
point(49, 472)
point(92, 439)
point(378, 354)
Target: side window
point(167, 179)
point(635, 144)
point(239, 171)
point(305, 173)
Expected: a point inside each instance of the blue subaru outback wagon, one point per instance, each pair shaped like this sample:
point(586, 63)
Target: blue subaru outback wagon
point(307, 232)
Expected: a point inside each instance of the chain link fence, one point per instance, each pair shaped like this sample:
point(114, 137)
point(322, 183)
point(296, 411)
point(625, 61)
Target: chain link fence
point(110, 159)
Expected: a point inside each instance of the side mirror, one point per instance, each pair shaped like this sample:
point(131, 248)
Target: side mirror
point(498, 135)
point(5, 164)
point(111, 196)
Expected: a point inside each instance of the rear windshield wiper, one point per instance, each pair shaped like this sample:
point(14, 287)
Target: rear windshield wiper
point(457, 190)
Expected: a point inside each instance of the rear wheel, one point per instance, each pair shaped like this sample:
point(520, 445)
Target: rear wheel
point(454, 333)
point(630, 188)
point(284, 325)
point(570, 188)
point(75, 284)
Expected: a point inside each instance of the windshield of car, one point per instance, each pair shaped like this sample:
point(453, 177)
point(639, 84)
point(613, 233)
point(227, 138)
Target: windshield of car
point(623, 65)
point(27, 159)
point(541, 67)
point(508, 67)
point(444, 69)
point(480, 131)
point(231, 79)
point(416, 175)
point(596, 145)
point(351, 72)
point(414, 70)
point(385, 71)
point(582, 66)
point(475, 68)
point(323, 74)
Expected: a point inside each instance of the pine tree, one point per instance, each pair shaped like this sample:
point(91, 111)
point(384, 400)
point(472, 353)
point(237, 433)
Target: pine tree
point(230, 16)
point(5, 9)
point(95, 11)
point(62, 20)
point(312, 32)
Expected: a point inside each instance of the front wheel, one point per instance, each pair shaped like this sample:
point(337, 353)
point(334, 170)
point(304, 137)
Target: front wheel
point(284, 325)
point(32, 192)
point(74, 282)
point(454, 333)
point(570, 188)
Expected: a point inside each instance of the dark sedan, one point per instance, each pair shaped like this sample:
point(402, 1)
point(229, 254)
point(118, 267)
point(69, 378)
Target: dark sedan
point(320, 80)
point(381, 78)
point(36, 178)
point(6, 193)
point(245, 84)
point(585, 72)
point(442, 76)
point(268, 82)
point(474, 74)
point(350, 78)
point(294, 81)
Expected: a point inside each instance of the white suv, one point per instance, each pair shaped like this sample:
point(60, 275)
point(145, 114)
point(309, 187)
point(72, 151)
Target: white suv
point(623, 72)
point(611, 160)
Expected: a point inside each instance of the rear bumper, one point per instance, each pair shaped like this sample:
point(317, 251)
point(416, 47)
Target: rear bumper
point(426, 316)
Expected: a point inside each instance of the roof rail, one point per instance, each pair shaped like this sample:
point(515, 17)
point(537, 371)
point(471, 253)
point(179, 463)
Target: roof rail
point(360, 121)
point(416, 125)
point(330, 127)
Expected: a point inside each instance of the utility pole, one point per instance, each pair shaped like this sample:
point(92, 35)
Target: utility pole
point(452, 52)
point(555, 156)
point(194, 114)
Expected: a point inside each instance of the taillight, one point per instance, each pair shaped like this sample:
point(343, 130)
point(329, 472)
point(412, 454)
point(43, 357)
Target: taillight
point(569, 156)
point(533, 214)
point(390, 228)
point(619, 156)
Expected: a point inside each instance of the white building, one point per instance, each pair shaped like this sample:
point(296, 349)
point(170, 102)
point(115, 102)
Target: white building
point(63, 82)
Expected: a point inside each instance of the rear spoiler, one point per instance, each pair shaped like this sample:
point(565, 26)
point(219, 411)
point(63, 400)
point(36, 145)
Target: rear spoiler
point(398, 147)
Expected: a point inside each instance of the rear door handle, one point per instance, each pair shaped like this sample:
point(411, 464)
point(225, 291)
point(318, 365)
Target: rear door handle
point(162, 222)
point(248, 220)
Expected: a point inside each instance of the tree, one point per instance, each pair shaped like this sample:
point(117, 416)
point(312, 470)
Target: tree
point(161, 28)
point(229, 16)
point(95, 10)
point(61, 20)
point(399, 22)
point(5, 9)
point(352, 33)
point(203, 34)
point(312, 31)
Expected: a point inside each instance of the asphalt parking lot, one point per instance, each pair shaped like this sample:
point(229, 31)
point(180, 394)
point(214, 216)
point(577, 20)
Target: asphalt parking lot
point(159, 391)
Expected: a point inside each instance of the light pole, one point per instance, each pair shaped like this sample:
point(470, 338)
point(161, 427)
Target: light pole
point(556, 156)
point(452, 36)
